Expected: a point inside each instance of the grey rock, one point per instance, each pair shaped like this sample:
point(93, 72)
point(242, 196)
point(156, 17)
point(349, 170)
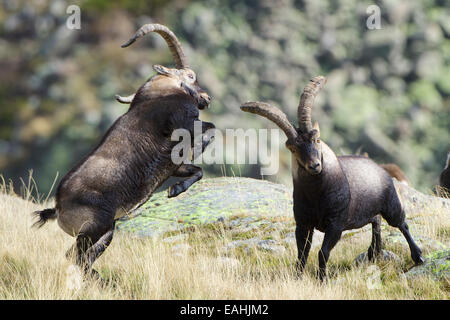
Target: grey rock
point(242, 243)
point(437, 265)
point(216, 200)
point(316, 240)
point(271, 246)
point(211, 201)
point(385, 256)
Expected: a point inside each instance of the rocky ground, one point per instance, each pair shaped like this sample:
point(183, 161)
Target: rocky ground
point(259, 213)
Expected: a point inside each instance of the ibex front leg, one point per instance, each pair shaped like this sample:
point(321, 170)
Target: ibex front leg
point(193, 173)
point(304, 237)
point(332, 236)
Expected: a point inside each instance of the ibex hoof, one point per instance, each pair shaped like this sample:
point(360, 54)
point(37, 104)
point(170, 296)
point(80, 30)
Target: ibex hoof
point(322, 276)
point(175, 190)
point(419, 260)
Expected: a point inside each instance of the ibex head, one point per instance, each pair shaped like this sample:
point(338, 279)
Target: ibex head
point(304, 142)
point(307, 150)
point(187, 80)
point(181, 76)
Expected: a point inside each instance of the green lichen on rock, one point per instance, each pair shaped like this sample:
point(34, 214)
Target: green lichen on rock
point(209, 201)
point(247, 204)
point(437, 265)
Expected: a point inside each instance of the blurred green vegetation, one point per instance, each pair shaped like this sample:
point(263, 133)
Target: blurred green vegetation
point(388, 90)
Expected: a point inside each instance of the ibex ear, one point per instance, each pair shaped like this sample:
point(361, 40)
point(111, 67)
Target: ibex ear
point(316, 127)
point(165, 71)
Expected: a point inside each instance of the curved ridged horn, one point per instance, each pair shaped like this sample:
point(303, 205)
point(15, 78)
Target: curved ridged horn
point(169, 36)
point(273, 114)
point(306, 102)
point(126, 100)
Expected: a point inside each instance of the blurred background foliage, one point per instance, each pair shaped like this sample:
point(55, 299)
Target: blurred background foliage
point(388, 90)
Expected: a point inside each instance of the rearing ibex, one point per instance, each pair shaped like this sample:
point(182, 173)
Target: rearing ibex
point(134, 157)
point(331, 193)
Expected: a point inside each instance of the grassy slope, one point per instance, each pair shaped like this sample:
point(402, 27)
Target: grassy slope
point(33, 266)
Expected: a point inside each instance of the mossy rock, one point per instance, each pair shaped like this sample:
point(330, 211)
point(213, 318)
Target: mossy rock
point(437, 265)
point(385, 255)
point(209, 201)
point(218, 199)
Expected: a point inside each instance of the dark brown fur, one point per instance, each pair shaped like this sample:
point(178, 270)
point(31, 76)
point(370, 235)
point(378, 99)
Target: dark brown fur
point(393, 170)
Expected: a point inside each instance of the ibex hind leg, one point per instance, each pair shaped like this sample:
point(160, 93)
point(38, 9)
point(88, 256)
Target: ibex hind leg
point(91, 242)
point(97, 249)
point(395, 217)
point(416, 253)
point(376, 245)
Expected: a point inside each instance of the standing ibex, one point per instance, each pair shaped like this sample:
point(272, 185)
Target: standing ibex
point(133, 158)
point(331, 193)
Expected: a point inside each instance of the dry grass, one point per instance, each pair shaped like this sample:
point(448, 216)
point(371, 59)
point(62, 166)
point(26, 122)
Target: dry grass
point(33, 266)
